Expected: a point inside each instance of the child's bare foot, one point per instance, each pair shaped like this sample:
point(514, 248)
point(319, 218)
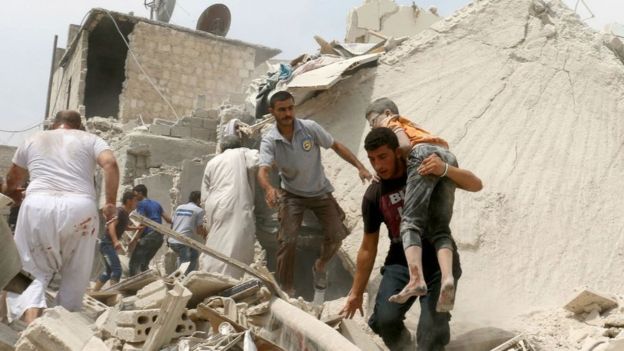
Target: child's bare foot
point(446, 301)
point(411, 289)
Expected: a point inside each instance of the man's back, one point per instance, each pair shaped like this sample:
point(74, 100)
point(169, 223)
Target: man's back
point(227, 173)
point(150, 209)
point(186, 219)
point(61, 161)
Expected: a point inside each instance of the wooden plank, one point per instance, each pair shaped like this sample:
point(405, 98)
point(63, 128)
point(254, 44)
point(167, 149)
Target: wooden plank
point(265, 277)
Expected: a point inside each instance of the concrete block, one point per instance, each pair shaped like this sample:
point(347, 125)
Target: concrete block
point(8, 338)
point(588, 300)
point(181, 132)
point(132, 347)
point(197, 122)
point(205, 284)
point(615, 321)
point(59, 330)
point(135, 326)
point(92, 307)
point(167, 323)
point(211, 124)
point(151, 296)
point(204, 134)
point(158, 129)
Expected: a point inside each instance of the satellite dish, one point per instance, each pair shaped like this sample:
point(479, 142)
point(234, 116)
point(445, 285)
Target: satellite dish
point(216, 19)
point(161, 9)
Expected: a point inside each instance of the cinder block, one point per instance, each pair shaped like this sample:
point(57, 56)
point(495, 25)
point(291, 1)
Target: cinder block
point(181, 132)
point(203, 134)
point(92, 307)
point(135, 326)
point(210, 123)
point(197, 122)
point(158, 129)
point(151, 296)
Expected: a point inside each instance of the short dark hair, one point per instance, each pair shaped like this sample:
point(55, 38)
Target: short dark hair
point(282, 95)
point(230, 142)
point(379, 137)
point(195, 196)
point(380, 105)
point(141, 189)
point(127, 196)
point(69, 117)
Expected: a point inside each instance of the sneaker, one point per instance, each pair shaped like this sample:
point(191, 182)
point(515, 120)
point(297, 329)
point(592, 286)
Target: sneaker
point(320, 278)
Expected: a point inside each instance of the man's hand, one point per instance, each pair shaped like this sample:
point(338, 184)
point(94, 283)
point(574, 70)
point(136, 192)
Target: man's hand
point(432, 165)
point(109, 211)
point(364, 175)
point(353, 304)
point(271, 196)
point(118, 247)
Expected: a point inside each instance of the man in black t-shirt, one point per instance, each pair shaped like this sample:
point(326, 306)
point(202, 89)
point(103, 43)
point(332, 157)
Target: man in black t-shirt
point(383, 203)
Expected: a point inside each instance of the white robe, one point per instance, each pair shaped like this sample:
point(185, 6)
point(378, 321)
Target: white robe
point(228, 192)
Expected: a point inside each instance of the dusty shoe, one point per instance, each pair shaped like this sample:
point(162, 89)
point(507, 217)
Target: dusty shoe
point(320, 278)
point(408, 292)
point(446, 301)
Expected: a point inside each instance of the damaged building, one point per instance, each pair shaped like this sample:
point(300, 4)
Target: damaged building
point(121, 66)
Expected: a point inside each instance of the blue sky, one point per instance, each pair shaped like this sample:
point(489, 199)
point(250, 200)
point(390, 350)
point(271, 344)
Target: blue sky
point(27, 29)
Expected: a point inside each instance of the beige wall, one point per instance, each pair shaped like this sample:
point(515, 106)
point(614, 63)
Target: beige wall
point(183, 66)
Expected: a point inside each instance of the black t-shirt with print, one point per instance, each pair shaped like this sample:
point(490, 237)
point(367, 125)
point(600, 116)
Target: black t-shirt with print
point(383, 203)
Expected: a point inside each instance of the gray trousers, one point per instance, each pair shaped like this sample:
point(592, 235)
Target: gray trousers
point(428, 201)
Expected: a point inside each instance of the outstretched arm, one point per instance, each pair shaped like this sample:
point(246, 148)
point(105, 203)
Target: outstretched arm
point(270, 193)
point(364, 266)
point(466, 180)
point(348, 156)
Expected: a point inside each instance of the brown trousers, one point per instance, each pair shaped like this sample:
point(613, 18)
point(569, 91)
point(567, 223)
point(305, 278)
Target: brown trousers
point(291, 210)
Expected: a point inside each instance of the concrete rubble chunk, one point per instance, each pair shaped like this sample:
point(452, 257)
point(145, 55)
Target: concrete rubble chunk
point(151, 296)
point(205, 284)
point(133, 284)
point(616, 321)
point(92, 307)
point(165, 326)
point(136, 326)
point(8, 338)
point(59, 330)
point(350, 330)
point(585, 300)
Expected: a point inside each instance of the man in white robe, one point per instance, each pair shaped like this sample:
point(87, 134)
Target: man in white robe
point(228, 193)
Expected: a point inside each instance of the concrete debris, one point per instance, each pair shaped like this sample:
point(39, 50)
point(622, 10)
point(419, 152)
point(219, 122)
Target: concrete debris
point(151, 296)
point(167, 322)
point(59, 330)
point(588, 301)
point(482, 339)
point(518, 343)
point(8, 338)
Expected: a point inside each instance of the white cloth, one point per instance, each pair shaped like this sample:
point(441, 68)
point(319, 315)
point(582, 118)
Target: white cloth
point(228, 192)
point(61, 160)
point(55, 234)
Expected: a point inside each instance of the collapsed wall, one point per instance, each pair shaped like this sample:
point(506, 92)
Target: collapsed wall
point(529, 99)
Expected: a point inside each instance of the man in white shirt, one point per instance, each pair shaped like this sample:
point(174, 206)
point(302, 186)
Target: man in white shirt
point(188, 219)
point(57, 227)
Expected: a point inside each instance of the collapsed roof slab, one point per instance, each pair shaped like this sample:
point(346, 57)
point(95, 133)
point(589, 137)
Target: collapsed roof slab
point(530, 99)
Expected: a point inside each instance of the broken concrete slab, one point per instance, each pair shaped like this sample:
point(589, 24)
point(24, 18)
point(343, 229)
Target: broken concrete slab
point(8, 338)
point(587, 300)
point(350, 330)
point(92, 307)
point(482, 339)
point(616, 321)
point(299, 325)
point(135, 283)
point(59, 330)
point(325, 77)
point(165, 326)
point(517, 343)
point(206, 284)
point(151, 296)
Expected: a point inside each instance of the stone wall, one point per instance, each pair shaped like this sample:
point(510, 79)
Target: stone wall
point(182, 66)
point(68, 82)
point(6, 155)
